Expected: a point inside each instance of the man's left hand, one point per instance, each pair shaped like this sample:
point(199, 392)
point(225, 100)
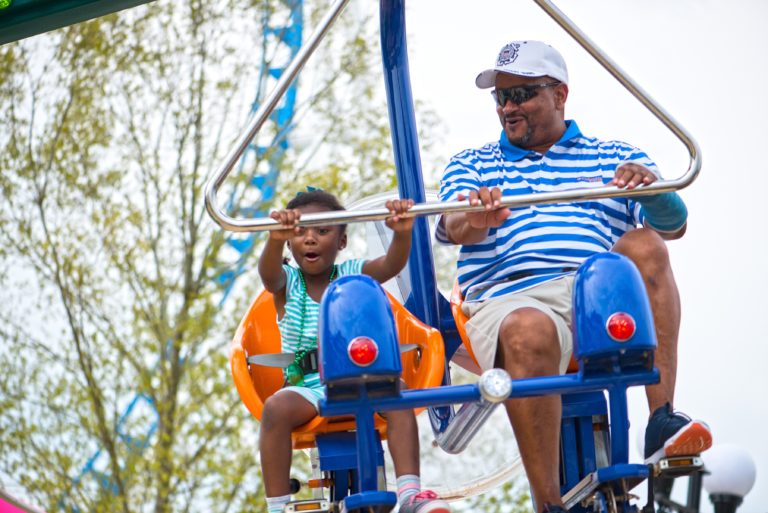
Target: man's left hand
point(632, 175)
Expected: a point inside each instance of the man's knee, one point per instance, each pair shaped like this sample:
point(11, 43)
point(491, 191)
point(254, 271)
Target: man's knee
point(645, 248)
point(529, 334)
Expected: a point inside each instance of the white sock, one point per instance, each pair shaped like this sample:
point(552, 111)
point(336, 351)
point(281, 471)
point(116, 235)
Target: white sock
point(277, 504)
point(407, 486)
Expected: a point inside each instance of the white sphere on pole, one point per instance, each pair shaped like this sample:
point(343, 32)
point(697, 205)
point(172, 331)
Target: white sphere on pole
point(731, 470)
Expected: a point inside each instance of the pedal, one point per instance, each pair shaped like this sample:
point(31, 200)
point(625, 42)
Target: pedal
point(677, 466)
point(309, 506)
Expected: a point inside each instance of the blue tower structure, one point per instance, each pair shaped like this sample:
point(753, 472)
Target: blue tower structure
point(289, 35)
point(280, 36)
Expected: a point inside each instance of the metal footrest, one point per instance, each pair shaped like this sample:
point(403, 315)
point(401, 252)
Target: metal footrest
point(614, 482)
point(581, 491)
point(678, 466)
point(309, 506)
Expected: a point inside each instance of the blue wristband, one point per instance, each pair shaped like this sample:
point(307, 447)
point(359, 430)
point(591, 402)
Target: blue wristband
point(665, 212)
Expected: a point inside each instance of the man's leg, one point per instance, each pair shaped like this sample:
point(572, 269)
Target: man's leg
point(668, 433)
point(649, 253)
point(529, 346)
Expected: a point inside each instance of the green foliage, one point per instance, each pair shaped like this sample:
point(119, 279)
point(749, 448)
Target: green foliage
point(111, 128)
point(511, 497)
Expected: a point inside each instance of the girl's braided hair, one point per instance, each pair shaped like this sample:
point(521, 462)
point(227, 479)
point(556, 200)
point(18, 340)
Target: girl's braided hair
point(317, 197)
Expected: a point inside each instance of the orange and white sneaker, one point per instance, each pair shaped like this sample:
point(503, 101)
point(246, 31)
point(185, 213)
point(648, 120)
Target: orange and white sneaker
point(425, 501)
point(670, 433)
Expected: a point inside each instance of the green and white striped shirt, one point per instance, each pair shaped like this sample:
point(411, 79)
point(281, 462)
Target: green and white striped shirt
point(295, 334)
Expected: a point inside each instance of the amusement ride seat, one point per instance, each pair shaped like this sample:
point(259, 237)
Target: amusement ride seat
point(258, 334)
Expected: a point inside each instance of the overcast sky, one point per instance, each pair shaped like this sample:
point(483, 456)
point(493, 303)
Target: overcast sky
point(704, 62)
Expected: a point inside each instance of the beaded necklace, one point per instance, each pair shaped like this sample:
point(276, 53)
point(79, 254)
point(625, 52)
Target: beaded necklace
point(293, 373)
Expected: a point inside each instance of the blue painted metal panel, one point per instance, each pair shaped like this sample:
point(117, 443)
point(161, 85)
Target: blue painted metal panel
point(361, 502)
point(586, 445)
point(605, 284)
point(337, 451)
point(424, 295)
point(356, 306)
point(569, 450)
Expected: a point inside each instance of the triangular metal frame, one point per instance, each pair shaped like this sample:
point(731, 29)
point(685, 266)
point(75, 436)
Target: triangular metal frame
point(269, 105)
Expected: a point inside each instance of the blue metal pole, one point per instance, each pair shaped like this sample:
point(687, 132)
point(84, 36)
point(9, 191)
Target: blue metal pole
point(366, 449)
point(526, 387)
point(617, 398)
point(424, 299)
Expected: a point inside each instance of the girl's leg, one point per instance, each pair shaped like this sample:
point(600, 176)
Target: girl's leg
point(283, 412)
point(403, 441)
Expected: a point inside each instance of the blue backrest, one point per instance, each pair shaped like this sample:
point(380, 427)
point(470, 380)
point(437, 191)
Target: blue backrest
point(607, 284)
point(357, 306)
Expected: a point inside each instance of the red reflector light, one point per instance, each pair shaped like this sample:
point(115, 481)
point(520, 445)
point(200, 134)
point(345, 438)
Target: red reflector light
point(620, 326)
point(363, 351)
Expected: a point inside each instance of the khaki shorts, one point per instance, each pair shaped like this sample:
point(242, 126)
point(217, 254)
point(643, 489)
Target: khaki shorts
point(554, 298)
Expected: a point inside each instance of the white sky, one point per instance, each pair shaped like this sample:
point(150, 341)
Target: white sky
point(704, 62)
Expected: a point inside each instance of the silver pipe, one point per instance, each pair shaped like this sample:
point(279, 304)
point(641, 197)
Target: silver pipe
point(266, 108)
point(424, 209)
point(433, 208)
point(495, 387)
point(693, 148)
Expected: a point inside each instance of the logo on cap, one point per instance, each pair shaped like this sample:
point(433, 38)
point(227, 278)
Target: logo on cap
point(507, 54)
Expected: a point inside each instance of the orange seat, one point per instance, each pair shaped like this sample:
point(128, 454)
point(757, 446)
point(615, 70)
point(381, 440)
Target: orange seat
point(461, 320)
point(258, 334)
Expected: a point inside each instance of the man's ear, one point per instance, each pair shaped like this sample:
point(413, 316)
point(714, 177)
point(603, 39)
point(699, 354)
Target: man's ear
point(561, 94)
point(343, 241)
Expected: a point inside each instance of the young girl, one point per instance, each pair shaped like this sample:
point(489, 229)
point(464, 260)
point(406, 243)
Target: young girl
point(297, 293)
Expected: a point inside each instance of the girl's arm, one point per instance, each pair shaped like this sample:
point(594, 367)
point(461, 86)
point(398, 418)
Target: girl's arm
point(271, 266)
point(271, 261)
point(385, 267)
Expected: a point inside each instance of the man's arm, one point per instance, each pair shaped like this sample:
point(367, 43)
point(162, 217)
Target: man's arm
point(664, 213)
point(472, 227)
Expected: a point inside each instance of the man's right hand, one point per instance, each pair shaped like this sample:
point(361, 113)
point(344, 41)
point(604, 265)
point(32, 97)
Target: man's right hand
point(493, 216)
point(472, 227)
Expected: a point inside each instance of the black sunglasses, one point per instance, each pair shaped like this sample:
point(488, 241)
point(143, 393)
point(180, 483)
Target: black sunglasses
point(519, 94)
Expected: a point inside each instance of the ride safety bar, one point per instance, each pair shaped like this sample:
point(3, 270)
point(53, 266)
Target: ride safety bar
point(264, 224)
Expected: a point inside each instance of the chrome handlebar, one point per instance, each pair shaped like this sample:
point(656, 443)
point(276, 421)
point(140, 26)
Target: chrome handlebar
point(425, 209)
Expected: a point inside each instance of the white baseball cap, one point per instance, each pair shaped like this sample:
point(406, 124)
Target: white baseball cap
point(527, 59)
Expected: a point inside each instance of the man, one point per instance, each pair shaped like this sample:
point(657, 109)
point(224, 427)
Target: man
point(516, 265)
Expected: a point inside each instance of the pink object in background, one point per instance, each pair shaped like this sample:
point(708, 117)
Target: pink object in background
point(10, 504)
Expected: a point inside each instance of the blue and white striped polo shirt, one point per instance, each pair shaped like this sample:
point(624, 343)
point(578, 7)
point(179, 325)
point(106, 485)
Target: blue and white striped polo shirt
point(540, 243)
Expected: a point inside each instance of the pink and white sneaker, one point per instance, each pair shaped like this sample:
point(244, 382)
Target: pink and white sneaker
point(425, 501)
